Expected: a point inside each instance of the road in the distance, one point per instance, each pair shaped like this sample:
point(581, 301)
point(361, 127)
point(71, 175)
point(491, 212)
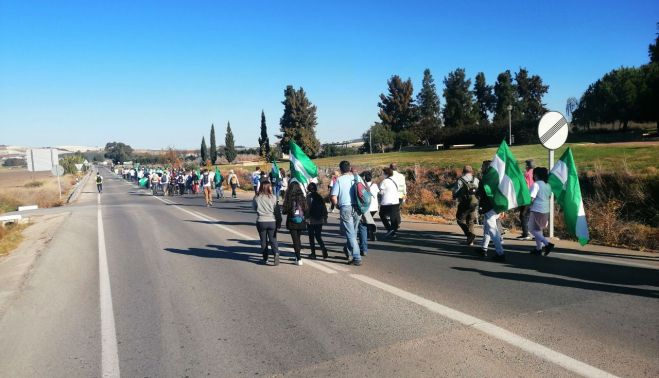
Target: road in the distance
point(190, 299)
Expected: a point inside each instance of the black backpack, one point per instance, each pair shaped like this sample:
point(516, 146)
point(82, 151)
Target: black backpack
point(317, 204)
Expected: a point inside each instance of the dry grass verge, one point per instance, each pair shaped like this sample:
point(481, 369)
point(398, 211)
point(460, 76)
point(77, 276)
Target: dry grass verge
point(10, 237)
point(20, 188)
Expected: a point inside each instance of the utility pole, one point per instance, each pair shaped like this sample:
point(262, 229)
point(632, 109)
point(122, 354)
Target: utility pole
point(370, 142)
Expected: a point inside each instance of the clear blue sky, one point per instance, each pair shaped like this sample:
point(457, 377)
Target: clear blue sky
point(157, 73)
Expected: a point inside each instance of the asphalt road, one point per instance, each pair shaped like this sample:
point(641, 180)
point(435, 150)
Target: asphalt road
point(182, 294)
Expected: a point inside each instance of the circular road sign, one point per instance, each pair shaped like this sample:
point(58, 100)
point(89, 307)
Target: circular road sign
point(552, 130)
point(57, 170)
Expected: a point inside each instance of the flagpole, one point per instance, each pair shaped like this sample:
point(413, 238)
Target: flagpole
point(551, 198)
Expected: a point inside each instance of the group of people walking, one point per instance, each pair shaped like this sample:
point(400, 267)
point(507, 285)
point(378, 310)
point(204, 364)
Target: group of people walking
point(305, 210)
point(473, 200)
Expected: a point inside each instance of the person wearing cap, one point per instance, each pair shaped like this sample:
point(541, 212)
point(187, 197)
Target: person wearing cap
point(524, 210)
point(465, 193)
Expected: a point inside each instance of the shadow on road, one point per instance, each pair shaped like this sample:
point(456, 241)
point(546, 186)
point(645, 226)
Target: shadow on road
point(555, 281)
point(238, 253)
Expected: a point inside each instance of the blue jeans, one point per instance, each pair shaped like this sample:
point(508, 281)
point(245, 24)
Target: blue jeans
point(363, 238)
point(349, 221)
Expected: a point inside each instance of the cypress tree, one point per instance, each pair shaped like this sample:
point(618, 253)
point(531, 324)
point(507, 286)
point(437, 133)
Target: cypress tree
point(230, 147)
point(298, 123)
point(204, 151)
point(264, 141)
point(213, 151)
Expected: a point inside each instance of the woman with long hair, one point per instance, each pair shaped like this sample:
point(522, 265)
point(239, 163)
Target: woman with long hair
point(295, 208)
point(264, 203)
point(316, 218)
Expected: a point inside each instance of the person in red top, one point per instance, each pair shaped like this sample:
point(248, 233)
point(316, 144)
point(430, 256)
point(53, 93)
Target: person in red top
point(524, 210)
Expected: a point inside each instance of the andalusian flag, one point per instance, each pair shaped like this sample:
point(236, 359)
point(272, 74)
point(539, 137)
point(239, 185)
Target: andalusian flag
point(274, 173)
point(302, 168)
point(504, 183)
point(564, 182)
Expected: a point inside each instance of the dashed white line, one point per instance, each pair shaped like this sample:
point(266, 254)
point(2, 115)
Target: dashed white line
point(109, 349)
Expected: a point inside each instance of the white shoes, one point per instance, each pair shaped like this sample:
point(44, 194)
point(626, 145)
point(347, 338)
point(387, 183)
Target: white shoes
point(298, 262)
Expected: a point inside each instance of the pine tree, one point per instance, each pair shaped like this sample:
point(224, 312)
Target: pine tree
point(298, 122)
point(229, 145)
point(397, 111)
point(459, 107)
point(530, 91)
point(484, 99)
point(213, 151)
point(264, 141)
point(204, 151)
point(428, 109)
point(505, 95)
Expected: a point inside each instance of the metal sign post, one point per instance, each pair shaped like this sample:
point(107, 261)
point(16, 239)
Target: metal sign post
point(552, 131)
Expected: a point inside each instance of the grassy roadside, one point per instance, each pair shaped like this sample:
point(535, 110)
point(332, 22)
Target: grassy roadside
point(11, 236)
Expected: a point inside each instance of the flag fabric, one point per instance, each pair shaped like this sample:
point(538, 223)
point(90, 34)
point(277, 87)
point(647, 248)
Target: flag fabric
point(303, 170)
point(504, 182)
point(274, 173)
point(564, 182)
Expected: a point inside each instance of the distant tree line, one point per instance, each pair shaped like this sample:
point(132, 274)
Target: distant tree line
point(408, 121)
point(625, 94)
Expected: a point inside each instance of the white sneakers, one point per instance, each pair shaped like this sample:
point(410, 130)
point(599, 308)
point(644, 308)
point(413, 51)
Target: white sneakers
point(298, 262)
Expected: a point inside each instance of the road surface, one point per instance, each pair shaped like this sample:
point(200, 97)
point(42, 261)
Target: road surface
point(143, 286)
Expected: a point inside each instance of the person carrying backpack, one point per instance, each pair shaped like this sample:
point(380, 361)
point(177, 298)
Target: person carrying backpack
point(295, 208)
point(343, 196)
point(389, 203)
point(316, 218)
point(219, 190)
point(233, 182)
point(465, 193)
point(99, 182)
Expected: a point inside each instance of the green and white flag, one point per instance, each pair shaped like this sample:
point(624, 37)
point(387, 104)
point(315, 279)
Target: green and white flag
point(564, 182)
point(303, 170)
point(274, 172)
point(504, 182)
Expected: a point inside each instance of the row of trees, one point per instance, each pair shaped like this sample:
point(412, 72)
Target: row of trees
point(405, 120)
point(624, 94)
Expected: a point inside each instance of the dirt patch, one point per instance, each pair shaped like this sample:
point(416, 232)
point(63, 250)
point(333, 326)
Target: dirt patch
point(16, 267)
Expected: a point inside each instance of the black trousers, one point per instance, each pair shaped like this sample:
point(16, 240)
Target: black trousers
point(315, 233)
point(390, 215)
point(297, 242)
point(267, 232)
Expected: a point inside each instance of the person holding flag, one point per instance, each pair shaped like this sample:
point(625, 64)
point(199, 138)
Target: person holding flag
point(303, 170)
point(564, 182)
point(539, 215)
point(502, 188)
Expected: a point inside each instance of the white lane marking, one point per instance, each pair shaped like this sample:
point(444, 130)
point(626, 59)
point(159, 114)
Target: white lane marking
point(320, 267)
point(334, 266)
point(520, 342)
point(109, 352)
point(241, 235)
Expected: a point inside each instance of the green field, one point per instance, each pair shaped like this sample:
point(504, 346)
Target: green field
point(637, 156)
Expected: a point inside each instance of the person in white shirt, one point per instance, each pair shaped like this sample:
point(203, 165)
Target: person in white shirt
point(389, 203)
point(399, 178)
point(539, 217)
point(374, 207)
